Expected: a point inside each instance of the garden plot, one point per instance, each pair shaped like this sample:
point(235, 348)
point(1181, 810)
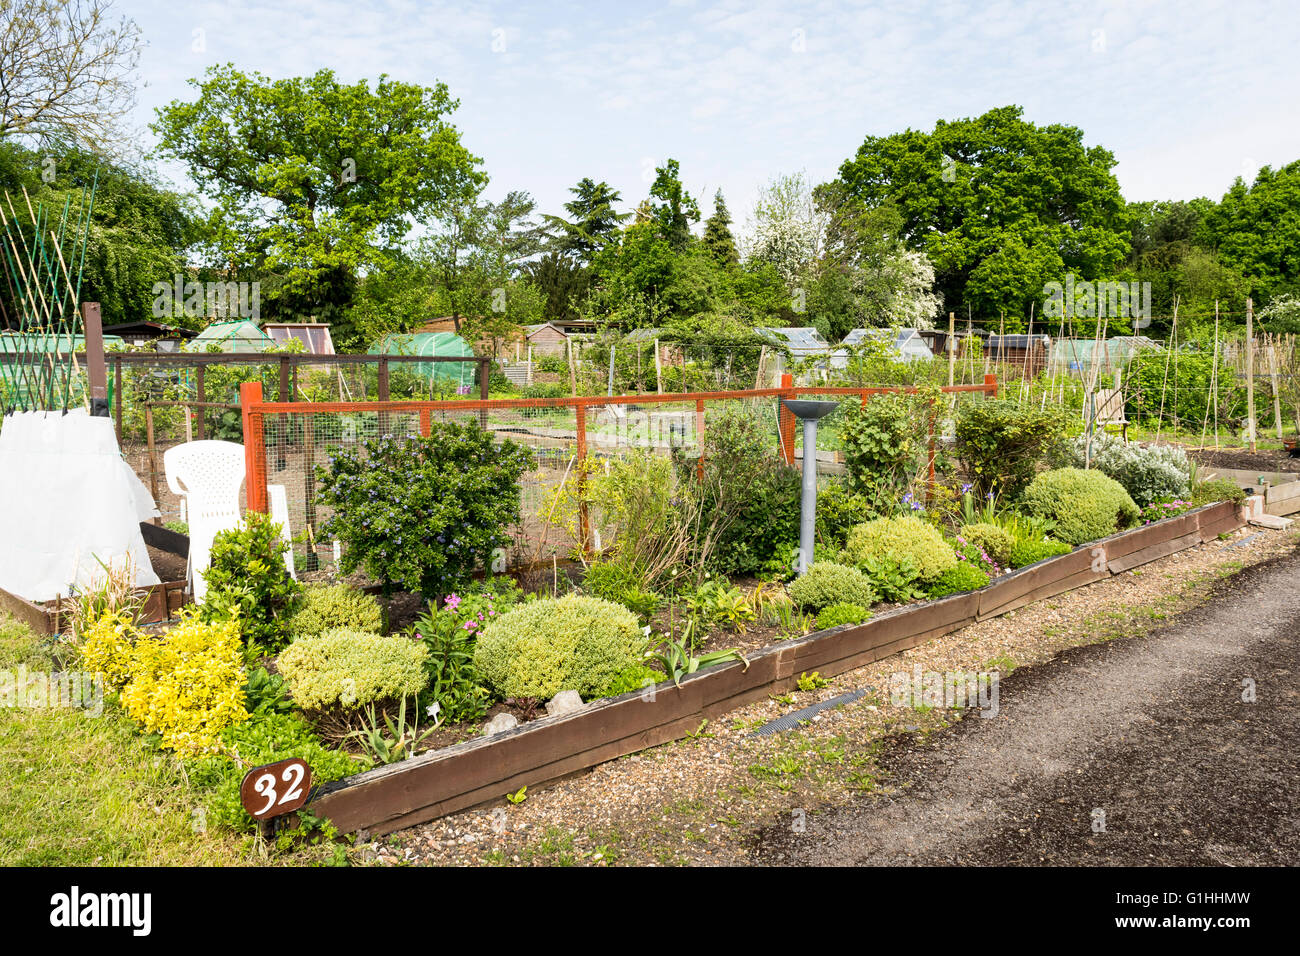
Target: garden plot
point(457, 684)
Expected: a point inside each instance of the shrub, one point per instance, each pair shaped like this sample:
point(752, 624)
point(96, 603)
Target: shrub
point(839, 510)
point(1086, 505)
point(424, 512)
point(1148, 473)
point(826, 583)
point(903, 537)
point(1000, 442)
point(249, 579)
point(748, 498)
point(331, 606)
point(346, 670)
point(1216, 489)
point(993, 540)
point(879, 441)
point(963, 577)
point(260, 741)
point(1028, 551)
point(570, 643)
point(108, 647)
point(894, 579)
point(845, 613)
point(187, 685)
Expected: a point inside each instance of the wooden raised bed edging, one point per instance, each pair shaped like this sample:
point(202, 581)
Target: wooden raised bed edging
point(160, 601)
point(483, 770)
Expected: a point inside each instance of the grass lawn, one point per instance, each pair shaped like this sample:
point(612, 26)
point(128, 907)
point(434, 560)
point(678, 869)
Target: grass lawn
point(80, 791)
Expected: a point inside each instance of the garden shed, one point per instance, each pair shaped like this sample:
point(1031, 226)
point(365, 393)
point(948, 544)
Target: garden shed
point(546, 338)
point(1026, 355)
point(232, 335)
point(441, 344)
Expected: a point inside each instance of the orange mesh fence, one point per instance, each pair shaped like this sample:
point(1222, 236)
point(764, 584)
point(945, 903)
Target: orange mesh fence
point(286, 442)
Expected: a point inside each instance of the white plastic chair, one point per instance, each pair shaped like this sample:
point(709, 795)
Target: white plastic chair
point(208, 475)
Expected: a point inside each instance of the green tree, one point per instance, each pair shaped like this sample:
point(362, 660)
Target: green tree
point(676, 209)
point(719, 242)
point(988, 197)
point(595, 223)
point(315, 182)
point(1256, 229)
point(139, 230)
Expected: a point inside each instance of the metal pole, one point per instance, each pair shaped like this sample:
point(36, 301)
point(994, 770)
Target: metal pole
point(808, 505)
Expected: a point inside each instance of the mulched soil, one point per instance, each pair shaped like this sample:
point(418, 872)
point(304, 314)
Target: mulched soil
point(702, 800)
point(168, 566)
point(1245, 460)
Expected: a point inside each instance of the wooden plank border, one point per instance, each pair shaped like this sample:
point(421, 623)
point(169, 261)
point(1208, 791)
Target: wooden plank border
point(481, 771)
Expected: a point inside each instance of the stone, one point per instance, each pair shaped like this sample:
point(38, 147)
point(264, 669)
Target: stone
point(499, 724)
point(565, 702)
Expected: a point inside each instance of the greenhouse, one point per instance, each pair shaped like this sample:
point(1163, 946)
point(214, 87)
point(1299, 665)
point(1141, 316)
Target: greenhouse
point(234, 335)
point(440, 344)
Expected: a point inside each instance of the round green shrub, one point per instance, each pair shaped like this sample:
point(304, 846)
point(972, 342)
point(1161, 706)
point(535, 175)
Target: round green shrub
point(959, 579)
point(905, 537)
point(350, 669)
point(1027, 551)
point(826, 583)
point(995, 541)
point(571, 643)
point(1086, 505)
point(332, 606)
point(843, 613)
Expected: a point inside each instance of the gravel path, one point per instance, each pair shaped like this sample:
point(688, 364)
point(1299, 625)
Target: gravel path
point(1126, 753)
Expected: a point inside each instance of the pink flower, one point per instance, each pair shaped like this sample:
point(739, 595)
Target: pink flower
point(470, 624)
point(452, 602)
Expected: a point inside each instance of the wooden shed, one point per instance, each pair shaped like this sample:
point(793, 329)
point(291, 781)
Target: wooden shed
point(546, 339)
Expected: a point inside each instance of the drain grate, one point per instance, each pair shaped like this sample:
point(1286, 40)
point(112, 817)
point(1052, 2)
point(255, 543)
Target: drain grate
point(791, 720)
point(1238, 544)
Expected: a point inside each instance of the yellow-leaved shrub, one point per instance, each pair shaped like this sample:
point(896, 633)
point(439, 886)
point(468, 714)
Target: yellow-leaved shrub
point(187, 684)
point(108, 648)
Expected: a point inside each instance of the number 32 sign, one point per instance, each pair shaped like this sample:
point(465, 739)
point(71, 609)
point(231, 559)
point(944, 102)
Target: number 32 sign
point(275, 788)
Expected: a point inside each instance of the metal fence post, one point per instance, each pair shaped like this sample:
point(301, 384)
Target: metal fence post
point(250, 394)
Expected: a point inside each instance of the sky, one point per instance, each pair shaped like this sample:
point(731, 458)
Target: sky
point(1187, 95)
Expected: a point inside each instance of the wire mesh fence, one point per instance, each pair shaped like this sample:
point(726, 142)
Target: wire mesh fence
point(289, 443)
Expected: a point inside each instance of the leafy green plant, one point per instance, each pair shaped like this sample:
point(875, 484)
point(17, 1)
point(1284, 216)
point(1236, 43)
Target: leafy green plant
point(1000, 442)
point(677, 661)
point(717, 602)
point(423, 512)
point(834, 615)
point(450, 632)
point(249, 580)
point(827, 583)
point(1027, 551)
point(394, 740)
point(1216, 489)
point(261, 740)
point(266, 693)
point(840, 509)
point(992, 539)
point(632, 678)
point(519, 796)
point(811, 681)
point(966, 576)
point(1086, 505)
point(895, 579)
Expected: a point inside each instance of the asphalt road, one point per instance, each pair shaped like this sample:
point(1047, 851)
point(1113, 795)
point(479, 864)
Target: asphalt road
point(1135, 752)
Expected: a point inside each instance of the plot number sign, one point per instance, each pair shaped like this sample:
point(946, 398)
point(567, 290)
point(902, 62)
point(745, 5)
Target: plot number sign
point(276, 788)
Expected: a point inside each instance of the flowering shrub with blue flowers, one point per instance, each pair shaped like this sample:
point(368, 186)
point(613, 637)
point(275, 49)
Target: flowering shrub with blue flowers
point(423, 513)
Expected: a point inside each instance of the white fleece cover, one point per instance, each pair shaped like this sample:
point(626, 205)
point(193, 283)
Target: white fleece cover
point(70, 502)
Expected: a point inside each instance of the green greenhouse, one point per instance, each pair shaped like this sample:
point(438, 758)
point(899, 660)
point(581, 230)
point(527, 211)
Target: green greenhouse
point(233, 335)
point(442, 344)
